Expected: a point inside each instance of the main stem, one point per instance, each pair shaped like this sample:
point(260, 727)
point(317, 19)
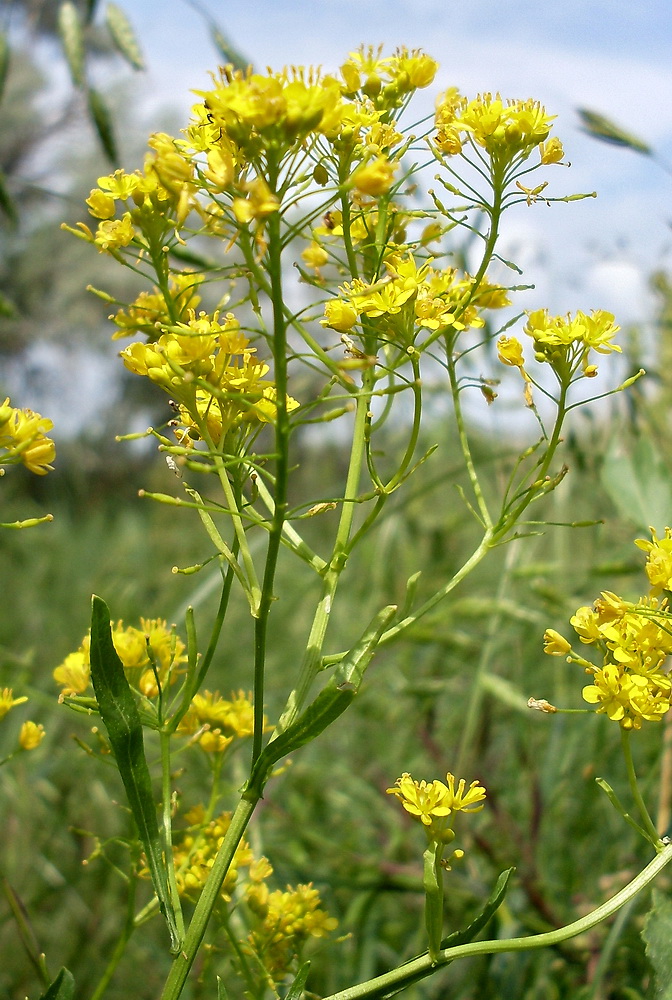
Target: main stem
point(208, 900)
point(281, 474)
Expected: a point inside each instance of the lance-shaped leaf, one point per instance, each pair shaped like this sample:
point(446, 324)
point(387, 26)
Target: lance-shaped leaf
point(295, 991)
point(657, 935)
point(72, 39)
point(6, 202)
point(432, 883)
point(603, 128)
point(331, 702)
point(102, 122)
point(4, 62)
point(62, 988)
point(123, 36)
point(120, 714)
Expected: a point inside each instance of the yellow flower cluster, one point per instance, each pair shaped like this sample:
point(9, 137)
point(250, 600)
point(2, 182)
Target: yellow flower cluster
point(31, 733)
point(280, 921)
point(440, 300)
point(23, 439)
point(563, 342)
point(151, 655)
point(658, 560)
point(210, 369)
point(214, 722)
point(150, 311)
point(284, 921)
point(505, 129)
point(431, 802)
point(633, 684)
point(151, 202)
point(194, 854)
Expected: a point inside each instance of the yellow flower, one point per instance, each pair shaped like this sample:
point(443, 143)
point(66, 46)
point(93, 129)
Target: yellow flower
point(510, 352)
point(503, 129)
point(375, 178)
point(259, 203)
point(101, 205)
point(471, 800)
point(31, 735)
point(74, 674)
point(8, 701)
point(551, 151)
point(658, 561)
point(315, 256)
point(339, 315)
point(555, 644)
point(425, 800)
point(23, 435)
point(114, 233)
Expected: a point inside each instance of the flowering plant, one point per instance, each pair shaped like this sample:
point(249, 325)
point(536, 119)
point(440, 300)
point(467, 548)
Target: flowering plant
point(319, 171)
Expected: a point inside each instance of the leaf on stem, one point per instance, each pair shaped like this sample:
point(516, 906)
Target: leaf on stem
point(123, 36)
point(72, 40)
point(62, 988)
point(331, 702)
point(120, 714)
point(657, 934)
point(102, 122)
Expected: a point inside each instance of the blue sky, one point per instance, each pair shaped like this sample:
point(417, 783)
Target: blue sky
point(614, 56)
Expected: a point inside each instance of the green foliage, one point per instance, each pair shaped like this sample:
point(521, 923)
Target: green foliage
point(657, 934)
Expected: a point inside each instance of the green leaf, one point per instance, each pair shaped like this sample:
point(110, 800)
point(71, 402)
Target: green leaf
point(72, 39)
point(331, 702)
point(295, 991)
point(432, 883)
point(227, 50)
point(494, 902)
point(123, 36)
point(62, 988)
point(7, 202)
point(221, 990)
point(119, 712)
point(607, 131)
point(4, 61)
point(639, 484)
point(657, 935)
point(102, 122)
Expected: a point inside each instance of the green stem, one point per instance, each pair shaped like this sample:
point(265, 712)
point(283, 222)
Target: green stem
point(474, 559)
point(312, 659)
point(634, 788)
point(420, 968)
point(464, 440)
point(282, 430)
point(208, 900)
point(166, 793)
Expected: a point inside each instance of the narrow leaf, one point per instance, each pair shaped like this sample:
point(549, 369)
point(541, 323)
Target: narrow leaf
point(4, 61)
point(604, 129)
point(494, 902)
point(72, 40)
point(331, 702)
point(102, 122)
point(432, 883)
point(120, 714)
point(227, 51)
point(7, 202)
point(89, 10)
point(221, 990)
point(123, 36)
point(62, 988)
point(295, 991)
point(657, 935)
